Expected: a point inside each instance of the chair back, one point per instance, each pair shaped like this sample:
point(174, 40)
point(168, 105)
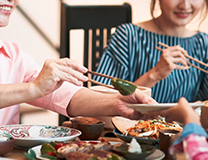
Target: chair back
point(97, 22)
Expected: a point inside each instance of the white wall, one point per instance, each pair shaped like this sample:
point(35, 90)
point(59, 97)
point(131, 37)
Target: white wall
point(46, 13)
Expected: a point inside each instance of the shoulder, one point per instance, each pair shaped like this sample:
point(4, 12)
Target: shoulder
point(14, 50)
point(126, 27)
point(202, 34)
point(11, 48)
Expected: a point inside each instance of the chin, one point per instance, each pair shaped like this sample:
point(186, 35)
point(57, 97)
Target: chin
point(3, 24)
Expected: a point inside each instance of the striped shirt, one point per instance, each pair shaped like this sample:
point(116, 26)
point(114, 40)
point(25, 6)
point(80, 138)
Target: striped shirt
point(131, 53)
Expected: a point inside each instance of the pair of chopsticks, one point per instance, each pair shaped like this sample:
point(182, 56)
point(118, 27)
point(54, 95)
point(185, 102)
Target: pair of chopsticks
point(102, 75)
point(187, 56)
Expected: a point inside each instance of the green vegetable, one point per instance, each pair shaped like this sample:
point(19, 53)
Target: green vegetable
point(49, 157)
point(31, 155)
point(47, 148)
point(93, 158)
point(53, 143)
point(115, 157)
point(124, 87)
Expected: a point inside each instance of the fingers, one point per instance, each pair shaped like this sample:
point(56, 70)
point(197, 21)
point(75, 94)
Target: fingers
point(66, 70)
point(72, 64)
point(69, 74)
point(175, 55)
point(143, 98)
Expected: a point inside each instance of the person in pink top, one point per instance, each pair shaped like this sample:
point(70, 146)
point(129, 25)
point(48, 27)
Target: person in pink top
point(55, 86)
point(193, 140)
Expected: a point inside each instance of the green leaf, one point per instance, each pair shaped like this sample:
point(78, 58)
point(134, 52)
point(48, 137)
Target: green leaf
point(8, 137)
point(29, 157)
point(32, 153)
point(48, 156)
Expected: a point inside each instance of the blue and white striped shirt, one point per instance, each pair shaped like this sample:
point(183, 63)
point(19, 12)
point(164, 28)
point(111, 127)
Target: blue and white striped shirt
point(131, 53)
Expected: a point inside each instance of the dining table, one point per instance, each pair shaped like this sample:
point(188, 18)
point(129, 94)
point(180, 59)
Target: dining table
point(18, 153)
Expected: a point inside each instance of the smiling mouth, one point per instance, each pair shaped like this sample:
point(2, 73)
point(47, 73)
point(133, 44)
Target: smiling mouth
point(183, 14)
point(5, 8)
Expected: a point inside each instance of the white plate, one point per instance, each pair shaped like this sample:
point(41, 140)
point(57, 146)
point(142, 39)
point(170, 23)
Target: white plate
point(36, 149)
point(157, 155)
point(144, 108)
point(32, 135)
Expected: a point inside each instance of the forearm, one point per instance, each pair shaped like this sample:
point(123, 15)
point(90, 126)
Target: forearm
point(149, 79)
point(91, 103)
point(11, 94)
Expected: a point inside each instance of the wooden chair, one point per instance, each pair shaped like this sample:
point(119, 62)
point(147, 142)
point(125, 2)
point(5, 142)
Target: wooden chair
point(97, 22)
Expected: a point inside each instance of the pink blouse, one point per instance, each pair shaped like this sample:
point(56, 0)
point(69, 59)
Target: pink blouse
point(16, 66)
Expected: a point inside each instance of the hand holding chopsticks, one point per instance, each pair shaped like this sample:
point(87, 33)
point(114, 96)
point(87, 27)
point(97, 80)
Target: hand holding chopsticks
point(186, 55)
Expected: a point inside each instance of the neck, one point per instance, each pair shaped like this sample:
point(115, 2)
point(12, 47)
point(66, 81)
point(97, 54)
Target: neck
point(171, 30)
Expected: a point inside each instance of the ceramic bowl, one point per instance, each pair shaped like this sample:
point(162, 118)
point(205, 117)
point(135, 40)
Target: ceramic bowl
point(6, 146)
point(91, 128)
point(122, 149)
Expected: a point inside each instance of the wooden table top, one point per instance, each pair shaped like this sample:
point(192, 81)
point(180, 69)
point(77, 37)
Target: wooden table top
point(18, 154)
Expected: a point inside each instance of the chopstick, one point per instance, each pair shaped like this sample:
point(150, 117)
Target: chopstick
point(99, 74)
point(186, 55)
point(96, 82)
point(102, 75)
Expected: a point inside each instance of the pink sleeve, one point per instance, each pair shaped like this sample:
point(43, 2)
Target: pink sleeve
point(58, 100)
point(195, 147)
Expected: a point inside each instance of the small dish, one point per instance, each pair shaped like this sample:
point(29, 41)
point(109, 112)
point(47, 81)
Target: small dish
point(145, 108)
point(122, 149)
point(154, 142)
point(6, 146)
point(91, 128)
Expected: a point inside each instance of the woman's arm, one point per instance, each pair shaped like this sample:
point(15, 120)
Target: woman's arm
point(169, 60)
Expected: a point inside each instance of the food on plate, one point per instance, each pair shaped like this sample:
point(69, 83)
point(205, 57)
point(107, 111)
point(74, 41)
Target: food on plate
point(4, 137)
point(124, 87)
point(134, 150)
point(134, 146)
point(150, 128)
point(93, 155)
point(48, 149)
point(79, 150)
point(85, 120)
point(144, 129)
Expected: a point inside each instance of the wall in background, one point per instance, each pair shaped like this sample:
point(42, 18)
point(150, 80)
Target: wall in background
point(46, 13)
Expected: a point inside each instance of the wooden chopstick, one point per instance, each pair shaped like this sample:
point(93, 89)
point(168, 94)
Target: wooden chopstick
point(186, 55)
point(164, 45)
point(96, 82)
point(102, 75)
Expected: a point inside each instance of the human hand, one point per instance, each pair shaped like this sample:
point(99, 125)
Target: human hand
point(55, 72)
point(182, 113)
point(136, 97)
point(168, 62)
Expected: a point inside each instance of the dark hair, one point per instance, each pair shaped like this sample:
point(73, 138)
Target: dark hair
point(204, 10)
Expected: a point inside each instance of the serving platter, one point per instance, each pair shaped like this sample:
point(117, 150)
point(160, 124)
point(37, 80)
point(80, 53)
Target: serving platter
point(36, 149)
point(32, 135)
point(145, 108)
point(157, 154)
